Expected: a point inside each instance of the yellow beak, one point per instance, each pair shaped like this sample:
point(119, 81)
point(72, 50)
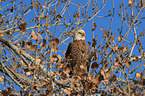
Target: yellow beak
point(83, 34)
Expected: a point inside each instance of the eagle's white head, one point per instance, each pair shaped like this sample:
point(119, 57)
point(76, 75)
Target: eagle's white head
point(79, 35)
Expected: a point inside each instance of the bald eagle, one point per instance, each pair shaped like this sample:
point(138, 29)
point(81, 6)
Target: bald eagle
point(78, 54)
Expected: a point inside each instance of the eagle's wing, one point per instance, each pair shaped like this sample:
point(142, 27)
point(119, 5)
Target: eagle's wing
point(67, 54)
point(69, 61)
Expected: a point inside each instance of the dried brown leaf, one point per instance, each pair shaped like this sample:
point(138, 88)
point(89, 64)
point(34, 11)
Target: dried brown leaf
point(42, 44)
point(110, 13)
point(116, 63)
point(82, 67)
point(53, 58)
point(39, 59)
point(138, 75)
point(104, 47)
point(43, 77)
point(34, 36)
point(94, 43)
point(66, 69)
point(54, 55)
point(128, 64)
point(95, 25)
point(87, 84)
point(101, 28)
point(119, 38)
point(22, 26)
point(32, 67)
point(33, 48)
point(113, 78)
point(108, 74)
point(60, 64)
point(116, 49)
point(98, 79)
point(143, 82)
point(54, 42)
point(58, 73)
point(30, 46)
point(3, 35)
point(43, 83)
point(105, 75)
point(25, 70)
point(95, 65)
point(8, 32)
point(44, 6)
point(67, 91)
point(140, 4)
point(130, 2)
point(59, 57)
point(15, 67)
point(54, 49)
point(5, 93)
point(95, 81)
point(19, 45)
point(2, 0)
point(104, 35)
point(23, 64)
point(29, 73)
point(14, 62)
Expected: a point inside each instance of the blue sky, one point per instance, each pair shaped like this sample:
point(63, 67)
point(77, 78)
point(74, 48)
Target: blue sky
point(100, 21)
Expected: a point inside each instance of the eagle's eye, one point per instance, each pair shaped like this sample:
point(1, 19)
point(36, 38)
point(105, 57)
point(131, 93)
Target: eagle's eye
point(80, 33)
